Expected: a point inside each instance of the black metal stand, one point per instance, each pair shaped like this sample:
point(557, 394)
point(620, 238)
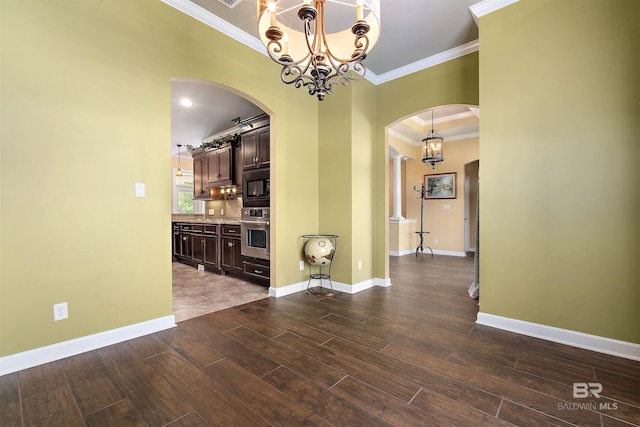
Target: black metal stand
point(320, 275)
point(421, 233)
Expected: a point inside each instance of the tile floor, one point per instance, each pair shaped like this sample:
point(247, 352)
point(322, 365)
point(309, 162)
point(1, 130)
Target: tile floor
point(200, 292)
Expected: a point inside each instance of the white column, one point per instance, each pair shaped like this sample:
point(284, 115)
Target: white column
point(397, 187)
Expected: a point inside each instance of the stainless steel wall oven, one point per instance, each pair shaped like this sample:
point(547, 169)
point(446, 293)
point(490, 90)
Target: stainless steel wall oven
point(254, 225)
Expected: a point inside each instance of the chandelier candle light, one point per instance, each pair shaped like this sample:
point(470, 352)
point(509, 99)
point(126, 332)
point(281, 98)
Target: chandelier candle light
point(312, 51)
point(432, 147)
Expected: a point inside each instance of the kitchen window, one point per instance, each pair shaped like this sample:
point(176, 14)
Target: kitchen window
point(183, 202)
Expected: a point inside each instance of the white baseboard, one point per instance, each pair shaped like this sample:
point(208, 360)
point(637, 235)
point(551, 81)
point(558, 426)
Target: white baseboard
point(449, 253)
point(338, 286)
point(427, 252)
point(563, 336)
point(38, 356)
point(402, 253)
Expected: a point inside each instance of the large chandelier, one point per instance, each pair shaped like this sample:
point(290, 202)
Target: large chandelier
point(432, 147)
point(317, 53)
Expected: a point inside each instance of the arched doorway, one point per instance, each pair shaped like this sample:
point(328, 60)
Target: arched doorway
point(443, 218)
point(203, 279)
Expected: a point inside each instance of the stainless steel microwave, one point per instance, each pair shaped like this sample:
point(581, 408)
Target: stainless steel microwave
point(256, 188)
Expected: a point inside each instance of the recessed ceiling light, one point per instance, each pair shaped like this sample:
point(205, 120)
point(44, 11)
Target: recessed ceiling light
point(186, 102)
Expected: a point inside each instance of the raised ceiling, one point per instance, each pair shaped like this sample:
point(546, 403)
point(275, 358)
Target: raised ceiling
point(415, 34)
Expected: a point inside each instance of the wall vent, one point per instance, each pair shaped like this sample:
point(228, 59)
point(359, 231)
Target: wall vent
point(230, 3)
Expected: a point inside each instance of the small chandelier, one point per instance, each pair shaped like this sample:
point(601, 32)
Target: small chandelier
point(432, 147)
point(311, 56)
point(179, 171)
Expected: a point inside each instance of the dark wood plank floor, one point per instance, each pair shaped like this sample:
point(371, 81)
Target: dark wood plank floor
point(407, 355)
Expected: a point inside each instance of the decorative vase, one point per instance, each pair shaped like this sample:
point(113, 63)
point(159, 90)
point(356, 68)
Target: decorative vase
point(319, 251)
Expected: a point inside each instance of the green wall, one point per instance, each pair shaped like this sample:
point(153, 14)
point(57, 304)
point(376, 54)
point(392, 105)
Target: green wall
point(559, 152)
point(85, 113)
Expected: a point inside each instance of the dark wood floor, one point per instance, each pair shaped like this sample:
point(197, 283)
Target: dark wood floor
point(407, 355)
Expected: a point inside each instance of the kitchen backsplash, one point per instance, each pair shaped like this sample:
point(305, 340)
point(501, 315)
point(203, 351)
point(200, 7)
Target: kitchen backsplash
point(232, 208)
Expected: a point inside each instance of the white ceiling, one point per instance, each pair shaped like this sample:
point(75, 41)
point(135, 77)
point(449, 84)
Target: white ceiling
point(414, 34)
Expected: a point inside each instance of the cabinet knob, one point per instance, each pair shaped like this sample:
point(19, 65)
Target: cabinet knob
point(230, 244)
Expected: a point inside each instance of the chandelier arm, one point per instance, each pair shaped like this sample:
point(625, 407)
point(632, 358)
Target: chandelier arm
point(319, 69)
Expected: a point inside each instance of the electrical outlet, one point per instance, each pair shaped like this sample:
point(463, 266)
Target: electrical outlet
point(221, 212)
point(212, 212)
point(359, 264)
point(301, 265)
point(435, 241)
point(60, 311)
point(200, 267)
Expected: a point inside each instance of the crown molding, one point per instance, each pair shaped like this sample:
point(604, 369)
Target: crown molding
point(208, 18)
point(487, 6)
point(397, 135)
point(438, 58)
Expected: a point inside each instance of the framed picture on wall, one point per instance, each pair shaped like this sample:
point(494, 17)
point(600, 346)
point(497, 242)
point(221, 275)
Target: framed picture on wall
point(440, 186)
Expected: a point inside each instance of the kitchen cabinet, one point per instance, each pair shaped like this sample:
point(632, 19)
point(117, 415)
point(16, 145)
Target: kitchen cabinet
point(238, 168)
point(210, 246)
point(199, 173)
point(255, 148)
point(185, 241)
point(219, 167)
point(196, 244)
point(230, 249)
point(177, 239)
point(257, 270)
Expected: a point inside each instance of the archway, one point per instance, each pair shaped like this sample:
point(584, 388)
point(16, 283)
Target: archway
point(444, 217)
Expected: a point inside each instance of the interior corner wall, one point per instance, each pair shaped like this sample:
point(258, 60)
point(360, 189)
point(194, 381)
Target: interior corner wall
point(560, 201)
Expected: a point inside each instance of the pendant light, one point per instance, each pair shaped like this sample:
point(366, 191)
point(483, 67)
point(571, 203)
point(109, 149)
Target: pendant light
point(310, 40)
point(179, 171)
point(432, 147)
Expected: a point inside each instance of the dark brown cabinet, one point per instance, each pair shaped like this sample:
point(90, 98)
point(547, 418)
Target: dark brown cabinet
point(230, 249)
point(177, 239)
point(199, 173)
point(238, 168)
point(255, 148)
point(185, 241)
point(219, 167)
point(210, 246)
point(196, 244)
point(257, 270)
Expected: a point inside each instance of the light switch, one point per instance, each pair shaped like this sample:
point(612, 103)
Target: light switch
point(446, 206)
point(140, 192)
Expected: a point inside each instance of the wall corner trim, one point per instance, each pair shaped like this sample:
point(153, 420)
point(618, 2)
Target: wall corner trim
point(487, 6)
point(39, 356)
point(605, 345)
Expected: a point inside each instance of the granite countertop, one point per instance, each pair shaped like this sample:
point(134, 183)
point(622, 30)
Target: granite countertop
point(209, 221)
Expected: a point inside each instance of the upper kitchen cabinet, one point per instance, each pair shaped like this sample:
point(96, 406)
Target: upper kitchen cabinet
point(255, 149)
point(200, 191)
point(220, 166)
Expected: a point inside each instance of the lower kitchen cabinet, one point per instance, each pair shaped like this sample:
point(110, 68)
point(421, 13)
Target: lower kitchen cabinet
point(218, 248)
point(257, 270)
point(210, 256)
point(230, 250)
